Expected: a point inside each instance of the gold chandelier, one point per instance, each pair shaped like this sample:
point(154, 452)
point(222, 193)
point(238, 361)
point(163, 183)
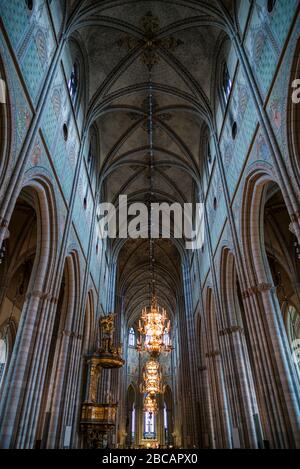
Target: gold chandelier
point(150, 405)
point(152, 384)
point(155, 326)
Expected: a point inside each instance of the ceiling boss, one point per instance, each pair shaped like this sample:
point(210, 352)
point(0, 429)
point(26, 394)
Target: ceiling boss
point(151, 42)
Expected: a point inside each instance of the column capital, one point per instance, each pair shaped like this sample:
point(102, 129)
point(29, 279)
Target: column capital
point(37, 294)
point(258, 288)
point(3, 222)
point(202, 368)
point(73, 334)
point(231, 330)
point(213, 354)
point(5, 234)
point(295, 217)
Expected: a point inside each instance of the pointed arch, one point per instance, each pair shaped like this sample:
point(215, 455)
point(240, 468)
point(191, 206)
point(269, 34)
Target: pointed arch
point(5, 123)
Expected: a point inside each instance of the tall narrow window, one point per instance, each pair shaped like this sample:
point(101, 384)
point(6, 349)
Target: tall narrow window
point(73, 82)
point(227, 83)
point(29, 4)
point(90, 155)
point(271, 5)
point(90, 159)
point(149, 425)
point(165, 418)
point(166, 338)
point(3, 357)
point(133, 422)
point(131, 337)
point(208, 152)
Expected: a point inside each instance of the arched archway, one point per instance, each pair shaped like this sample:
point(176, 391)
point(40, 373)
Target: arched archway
point(293, 115)
point(235, 340)
point(5, 123)
point(282, 251)
point(19, 252)
point(264, 203)
point(26, 276)
point(65, 342)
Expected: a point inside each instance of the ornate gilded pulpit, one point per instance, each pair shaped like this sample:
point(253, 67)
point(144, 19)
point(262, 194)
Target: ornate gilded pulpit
point(99, 419)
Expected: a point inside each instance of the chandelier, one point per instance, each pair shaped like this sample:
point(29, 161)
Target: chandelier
point(150, 405)
point(152, 378)
point(155, 326)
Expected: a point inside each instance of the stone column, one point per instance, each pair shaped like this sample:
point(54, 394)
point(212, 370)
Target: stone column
point(281, 355)
point(31, 405)
point(24, 359)
point(271, 360)
point(220, 399)
point(59, 388)
point(207, 410)
point(234, 354)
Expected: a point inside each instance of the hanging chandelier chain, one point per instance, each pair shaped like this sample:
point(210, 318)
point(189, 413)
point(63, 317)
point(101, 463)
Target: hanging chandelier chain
point(151, 166)
point(153, 324)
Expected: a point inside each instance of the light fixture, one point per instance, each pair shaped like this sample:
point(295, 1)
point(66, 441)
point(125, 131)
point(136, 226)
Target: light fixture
point(150, 405)
point(153, 326)
point(152, 378)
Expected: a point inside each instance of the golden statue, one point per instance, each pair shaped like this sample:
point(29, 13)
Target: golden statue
point(107, 324)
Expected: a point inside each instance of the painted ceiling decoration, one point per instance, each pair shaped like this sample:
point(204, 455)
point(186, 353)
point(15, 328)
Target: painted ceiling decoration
point(150, 42)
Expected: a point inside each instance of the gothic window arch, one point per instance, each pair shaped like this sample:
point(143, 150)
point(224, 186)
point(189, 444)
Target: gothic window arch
point(90, 158)
point(207, 155)
point(271, 5)
point(208, 151)
point(166, 338)
point(29, 4)
point(226, 84)
point(131, 337)
point(91, 162)
point(73, 83)
point(77, 76)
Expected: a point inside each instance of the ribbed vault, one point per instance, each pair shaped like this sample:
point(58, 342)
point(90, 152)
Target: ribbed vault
point(186, 36)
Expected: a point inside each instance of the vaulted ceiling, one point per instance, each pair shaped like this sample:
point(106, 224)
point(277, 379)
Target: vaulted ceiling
point(167, 49)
